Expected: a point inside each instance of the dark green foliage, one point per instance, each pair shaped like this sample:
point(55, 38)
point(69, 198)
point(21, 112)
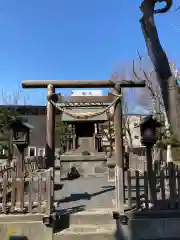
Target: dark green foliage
point(165, 141)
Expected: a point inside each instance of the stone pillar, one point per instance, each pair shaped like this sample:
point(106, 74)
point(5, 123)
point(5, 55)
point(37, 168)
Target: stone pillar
point(119, 151)
point(50, 139)
point(50, 130)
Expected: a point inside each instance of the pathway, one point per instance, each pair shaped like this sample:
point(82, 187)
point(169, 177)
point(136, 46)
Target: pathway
point(90, 192)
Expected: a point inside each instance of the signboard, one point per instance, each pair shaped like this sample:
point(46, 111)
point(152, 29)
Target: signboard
point(87, 93)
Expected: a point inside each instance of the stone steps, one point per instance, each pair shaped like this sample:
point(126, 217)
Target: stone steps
point(88, 232)
point(90, 225)
point(98, 217)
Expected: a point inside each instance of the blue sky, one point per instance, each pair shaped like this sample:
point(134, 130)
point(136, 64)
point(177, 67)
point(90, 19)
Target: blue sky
point(73, 39)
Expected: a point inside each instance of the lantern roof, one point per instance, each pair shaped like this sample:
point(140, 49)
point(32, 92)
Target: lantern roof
point(150, 120)
point(19, 121)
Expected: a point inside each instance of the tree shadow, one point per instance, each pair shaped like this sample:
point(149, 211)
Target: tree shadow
point(58, 186)
point(84, 196)
point(64, 178)
point(71, 210)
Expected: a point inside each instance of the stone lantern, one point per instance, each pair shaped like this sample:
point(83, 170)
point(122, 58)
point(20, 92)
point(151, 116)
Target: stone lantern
point(148, 128)
point(20, 133)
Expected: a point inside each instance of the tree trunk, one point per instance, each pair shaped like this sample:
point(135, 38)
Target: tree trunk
point(167, 82)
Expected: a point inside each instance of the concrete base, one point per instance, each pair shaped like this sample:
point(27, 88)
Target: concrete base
point(100, 225)
point(90, 225)
point(88, 232)
point(23, 227)
point(161, 228)
point(154, 229)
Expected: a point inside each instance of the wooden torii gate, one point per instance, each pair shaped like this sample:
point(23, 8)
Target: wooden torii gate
point(50, 126)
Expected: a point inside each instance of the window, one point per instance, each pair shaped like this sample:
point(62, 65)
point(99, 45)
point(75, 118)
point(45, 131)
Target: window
point(41, 152)
point(31, 151)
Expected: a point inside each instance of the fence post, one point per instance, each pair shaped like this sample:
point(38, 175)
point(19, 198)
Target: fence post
point(13, 189)
point(49, 205)
point(20, 183)
point(30, 194)
point(129, 189)
point(162, 185)
point(5, 191)
point(138, 202)
point(39, 192)
point(178, 187)
point(172, 180)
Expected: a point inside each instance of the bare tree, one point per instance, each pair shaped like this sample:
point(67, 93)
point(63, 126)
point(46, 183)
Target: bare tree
point(168, 84)
point(16, 97)
point(150, 98)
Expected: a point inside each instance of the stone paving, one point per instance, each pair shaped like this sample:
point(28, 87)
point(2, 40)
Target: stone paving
point(92, 192)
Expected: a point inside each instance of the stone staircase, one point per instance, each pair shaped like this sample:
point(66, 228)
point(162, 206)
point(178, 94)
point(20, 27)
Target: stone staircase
point(89, 225)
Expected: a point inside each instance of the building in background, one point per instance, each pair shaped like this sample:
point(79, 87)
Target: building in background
point(133, 125)
point(134, 121)
point(35, 116)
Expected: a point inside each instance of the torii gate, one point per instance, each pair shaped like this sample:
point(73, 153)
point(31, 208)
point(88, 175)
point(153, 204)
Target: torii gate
point(50, 126)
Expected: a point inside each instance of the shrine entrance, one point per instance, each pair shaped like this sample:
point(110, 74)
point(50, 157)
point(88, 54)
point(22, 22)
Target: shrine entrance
point(84, 129)
point(89, 189)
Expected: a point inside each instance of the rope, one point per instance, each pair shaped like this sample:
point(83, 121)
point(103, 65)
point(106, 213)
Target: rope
point(85, 115)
